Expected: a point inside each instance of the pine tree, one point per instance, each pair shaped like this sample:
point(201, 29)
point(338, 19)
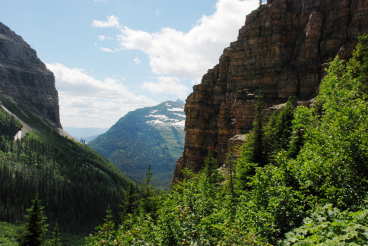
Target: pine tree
point(210, 164)
point(106, 232)
point(55, 239)
point(147, 203)
point(278, 130)
point(36, 226)
point(148, 180)
point(230, 185)
point(258, 137)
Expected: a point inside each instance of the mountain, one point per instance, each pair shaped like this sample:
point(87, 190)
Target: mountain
point(147, 137)
point(25, 80)
point(38, 159)
point(281, 51)
point(87, 134)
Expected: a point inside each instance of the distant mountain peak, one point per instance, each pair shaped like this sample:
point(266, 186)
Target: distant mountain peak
point(150, 136)
point(167, 114)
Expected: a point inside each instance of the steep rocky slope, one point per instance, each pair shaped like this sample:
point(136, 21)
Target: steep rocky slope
point(25, 79)
point(280, 52)
point(151, 136)
point(75, 184)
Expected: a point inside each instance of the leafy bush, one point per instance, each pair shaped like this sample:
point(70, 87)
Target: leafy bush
point(330, 226)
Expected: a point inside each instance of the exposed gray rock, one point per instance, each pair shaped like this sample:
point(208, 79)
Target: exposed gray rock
point(25, 79)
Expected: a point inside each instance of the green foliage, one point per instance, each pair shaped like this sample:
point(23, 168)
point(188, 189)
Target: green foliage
point(302, 122)
point(272, 206)
point(333, 162)
point(35, 230)
point(245, 168)
point(55, 239)
point(278, 129)
point(264, 142)
point(330, 226)
point(8, 234)
point(106, 232)
point(75, 183)
point(257, 153)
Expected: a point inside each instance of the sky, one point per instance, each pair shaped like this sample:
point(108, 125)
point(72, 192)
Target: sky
point(110, 57)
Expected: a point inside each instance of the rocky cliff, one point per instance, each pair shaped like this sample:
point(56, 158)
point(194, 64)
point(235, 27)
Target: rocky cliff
point(25, 79)
point(280, 52)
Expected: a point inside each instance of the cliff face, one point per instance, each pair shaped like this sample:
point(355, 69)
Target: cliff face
point(25, 79)
point(281, 51)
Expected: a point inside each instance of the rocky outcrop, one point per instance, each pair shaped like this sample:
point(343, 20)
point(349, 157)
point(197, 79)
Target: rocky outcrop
point(280, 52)
point(25, 80)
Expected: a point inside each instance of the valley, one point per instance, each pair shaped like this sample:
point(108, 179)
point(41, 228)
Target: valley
point(269, 149)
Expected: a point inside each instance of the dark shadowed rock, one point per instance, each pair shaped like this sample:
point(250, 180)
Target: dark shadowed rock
point(25, 80)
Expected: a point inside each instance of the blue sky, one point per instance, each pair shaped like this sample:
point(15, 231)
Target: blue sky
point(113, 56)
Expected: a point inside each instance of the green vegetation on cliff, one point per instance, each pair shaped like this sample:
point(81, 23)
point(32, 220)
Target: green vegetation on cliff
point(74, 183)
point(301, 179)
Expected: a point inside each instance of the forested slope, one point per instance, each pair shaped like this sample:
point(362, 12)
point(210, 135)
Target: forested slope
point(74, 183)
point(301, 178)
point(150, 137)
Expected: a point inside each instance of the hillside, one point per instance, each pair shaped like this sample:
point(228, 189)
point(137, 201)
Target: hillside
point(300, 178)
point(148, 137)
point(36, 160)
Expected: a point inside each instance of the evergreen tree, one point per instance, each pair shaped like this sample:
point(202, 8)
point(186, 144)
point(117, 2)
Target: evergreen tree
point(278, 130)
point(36, 226)
point(258, 134)
point(147, 203)
point(106, 232)
point(210, 168)
point(55, 239)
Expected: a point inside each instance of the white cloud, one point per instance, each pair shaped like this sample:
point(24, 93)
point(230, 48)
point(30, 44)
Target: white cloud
point(104, 37)
point(168, 86)
point(186, 56)
point(88, 102)
point(190, 54)
point(111, 21)
point(108, 50)
point(137, 61)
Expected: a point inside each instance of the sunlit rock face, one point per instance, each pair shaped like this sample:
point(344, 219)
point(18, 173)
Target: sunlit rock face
point(281, 51)
point(25, 80)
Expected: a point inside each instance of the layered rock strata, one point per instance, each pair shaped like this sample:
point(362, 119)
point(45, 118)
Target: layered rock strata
point(281, 51)
point(25, 79)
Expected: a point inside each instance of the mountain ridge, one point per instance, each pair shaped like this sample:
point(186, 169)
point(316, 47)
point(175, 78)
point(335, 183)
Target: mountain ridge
point(38, 159)
point(25, 79)
point(147, 137)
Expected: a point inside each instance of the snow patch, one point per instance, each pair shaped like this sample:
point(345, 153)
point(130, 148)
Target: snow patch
point(170, 123)
point(179, 124)
point(158, 116)
point(176, 109)
point(180, 115)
